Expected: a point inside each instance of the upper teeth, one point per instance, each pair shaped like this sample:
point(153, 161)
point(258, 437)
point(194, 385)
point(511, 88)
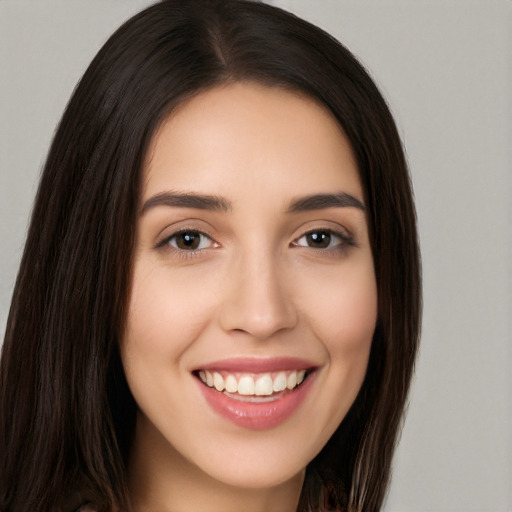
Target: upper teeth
point(247, 384)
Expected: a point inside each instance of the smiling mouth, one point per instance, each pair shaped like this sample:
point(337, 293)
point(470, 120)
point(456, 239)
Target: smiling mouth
point(253, 387)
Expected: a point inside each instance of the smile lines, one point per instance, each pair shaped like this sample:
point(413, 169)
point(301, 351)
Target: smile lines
point(245, 384)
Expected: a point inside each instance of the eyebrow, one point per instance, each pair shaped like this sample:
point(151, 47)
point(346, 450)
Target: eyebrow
point(321, 201)
point(220, 204)
point(187, 200)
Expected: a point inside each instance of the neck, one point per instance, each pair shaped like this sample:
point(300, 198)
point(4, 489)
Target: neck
point(160, 478)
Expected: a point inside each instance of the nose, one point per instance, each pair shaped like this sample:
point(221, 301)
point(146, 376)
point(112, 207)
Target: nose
point(257, 300)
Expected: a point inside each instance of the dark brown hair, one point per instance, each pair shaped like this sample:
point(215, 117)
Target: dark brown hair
point(66, 414)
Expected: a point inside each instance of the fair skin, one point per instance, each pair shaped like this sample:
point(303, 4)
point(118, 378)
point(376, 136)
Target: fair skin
point(237, 264)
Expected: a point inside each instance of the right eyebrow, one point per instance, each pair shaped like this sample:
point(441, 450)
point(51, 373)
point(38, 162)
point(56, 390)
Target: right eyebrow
point(187, 200)
point(321, 201)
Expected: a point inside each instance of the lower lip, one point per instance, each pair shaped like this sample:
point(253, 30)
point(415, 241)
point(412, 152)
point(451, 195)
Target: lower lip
point(257, 415)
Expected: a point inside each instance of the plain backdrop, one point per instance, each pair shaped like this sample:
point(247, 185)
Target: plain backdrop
point(446, 69)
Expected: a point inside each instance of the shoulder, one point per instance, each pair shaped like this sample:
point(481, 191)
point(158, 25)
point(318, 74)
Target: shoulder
point(83, 500)
point(79, 502)
point(87, 507)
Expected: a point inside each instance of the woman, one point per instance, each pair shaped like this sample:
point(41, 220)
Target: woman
point(218, 304)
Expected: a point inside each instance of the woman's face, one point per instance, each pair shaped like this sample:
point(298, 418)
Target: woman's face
point(252, 272)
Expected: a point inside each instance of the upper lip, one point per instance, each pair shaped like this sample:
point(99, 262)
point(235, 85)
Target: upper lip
point(258, 365)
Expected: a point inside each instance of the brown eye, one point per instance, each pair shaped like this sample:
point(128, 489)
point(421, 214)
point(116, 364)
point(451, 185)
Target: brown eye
point(323, 239)
point(189, 241)
point(319, 239)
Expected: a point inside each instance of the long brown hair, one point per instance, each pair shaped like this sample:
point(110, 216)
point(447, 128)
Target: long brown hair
point(66, 414)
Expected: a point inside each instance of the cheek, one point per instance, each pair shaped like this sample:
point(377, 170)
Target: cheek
point(343, 317)
point(356, 314)
point(167, 310)
point(344, 310)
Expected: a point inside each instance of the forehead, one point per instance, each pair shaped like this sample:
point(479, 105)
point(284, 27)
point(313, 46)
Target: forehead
point(252, 137)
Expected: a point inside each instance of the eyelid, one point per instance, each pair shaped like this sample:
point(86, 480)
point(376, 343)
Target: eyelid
point(346, 238)
point(163, 243)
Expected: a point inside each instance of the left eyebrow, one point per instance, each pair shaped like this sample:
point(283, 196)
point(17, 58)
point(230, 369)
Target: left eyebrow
point(321, 201)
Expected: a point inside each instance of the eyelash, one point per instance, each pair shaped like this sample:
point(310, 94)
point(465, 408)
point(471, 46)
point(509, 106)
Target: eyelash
point(345, 241)
point(166, 242)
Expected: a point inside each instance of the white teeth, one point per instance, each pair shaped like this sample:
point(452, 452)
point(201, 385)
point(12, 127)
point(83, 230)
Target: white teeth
point(292, 380)
point(218, 381)
point(280, 382)
point(231, 384)
point(255, 385)
point(263, 386)
point(246, 386)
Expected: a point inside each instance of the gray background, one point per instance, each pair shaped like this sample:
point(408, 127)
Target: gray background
point(446, 69)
